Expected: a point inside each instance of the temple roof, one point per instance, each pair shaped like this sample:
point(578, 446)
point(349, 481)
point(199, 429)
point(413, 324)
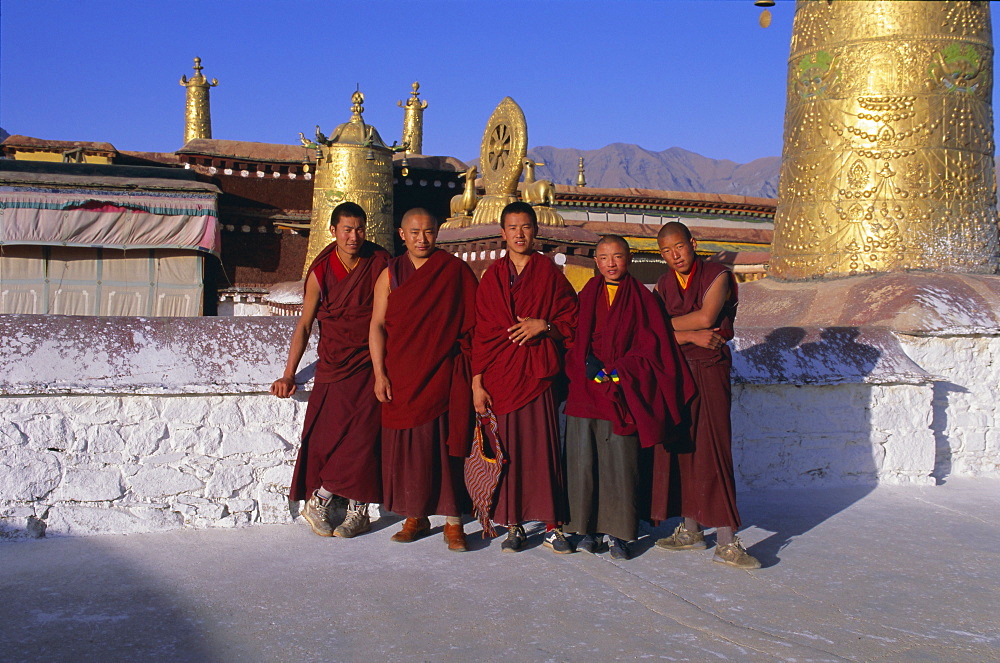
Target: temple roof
point(238, 149)
point(29, 142)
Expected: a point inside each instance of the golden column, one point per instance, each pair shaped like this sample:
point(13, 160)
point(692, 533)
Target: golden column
point(353, 164)
point(888, 150)
point(197, 117)
point(413, 121)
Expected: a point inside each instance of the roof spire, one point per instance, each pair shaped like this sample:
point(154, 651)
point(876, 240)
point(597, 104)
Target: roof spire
point(581, 179)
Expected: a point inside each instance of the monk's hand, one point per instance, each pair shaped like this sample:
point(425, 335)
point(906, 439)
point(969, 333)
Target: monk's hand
point(707, 338)
point(283, 387)
point(383, 388)
point(481, 399)
point(527, 329)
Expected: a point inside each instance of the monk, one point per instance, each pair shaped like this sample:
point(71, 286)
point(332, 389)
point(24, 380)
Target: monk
point(697, 482)
point(421, 337)
point(628, 386)
point(526, 311)
point(339, 454)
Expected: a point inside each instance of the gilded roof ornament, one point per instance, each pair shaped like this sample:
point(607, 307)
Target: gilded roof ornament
point(581, 178)
point(197, 113)
point(198, 80)
point(413, 121)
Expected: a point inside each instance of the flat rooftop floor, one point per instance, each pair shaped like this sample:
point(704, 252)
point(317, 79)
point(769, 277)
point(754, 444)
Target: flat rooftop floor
point(850, 574)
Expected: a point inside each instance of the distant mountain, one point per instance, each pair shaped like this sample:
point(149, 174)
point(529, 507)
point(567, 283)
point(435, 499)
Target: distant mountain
point(3, 134)
point(622, 165)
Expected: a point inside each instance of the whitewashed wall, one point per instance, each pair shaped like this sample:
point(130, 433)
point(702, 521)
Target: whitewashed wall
point(130, 425)
point(966, 414)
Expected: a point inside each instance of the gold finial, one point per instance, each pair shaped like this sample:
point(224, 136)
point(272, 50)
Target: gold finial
point(197, 117)
point(413, 120)
point(357, 109)
point(765, 16)
point(581, 179)
point(198, 79)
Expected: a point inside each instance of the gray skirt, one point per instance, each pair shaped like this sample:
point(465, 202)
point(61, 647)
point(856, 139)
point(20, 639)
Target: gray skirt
point(602, 479)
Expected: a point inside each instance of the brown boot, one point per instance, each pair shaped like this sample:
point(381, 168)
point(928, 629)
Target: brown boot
point(413, 529)
point(454, 536)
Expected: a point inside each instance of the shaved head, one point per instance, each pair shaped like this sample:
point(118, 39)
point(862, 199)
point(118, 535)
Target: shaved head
point(673, 228)
point(416, 213)
point(614, 239)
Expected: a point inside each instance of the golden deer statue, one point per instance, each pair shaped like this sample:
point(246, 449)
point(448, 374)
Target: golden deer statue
point(464, 203)
point(539, 192)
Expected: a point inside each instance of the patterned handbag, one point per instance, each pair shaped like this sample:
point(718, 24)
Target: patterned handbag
point(483, 467)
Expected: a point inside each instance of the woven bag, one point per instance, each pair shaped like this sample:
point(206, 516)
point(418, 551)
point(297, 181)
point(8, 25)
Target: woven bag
point(483, 467)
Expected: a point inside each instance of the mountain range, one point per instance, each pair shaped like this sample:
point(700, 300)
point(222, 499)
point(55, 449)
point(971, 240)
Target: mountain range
point(622, 165)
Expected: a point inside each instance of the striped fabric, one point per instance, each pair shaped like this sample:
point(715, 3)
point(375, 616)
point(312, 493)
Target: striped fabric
point(483, 468)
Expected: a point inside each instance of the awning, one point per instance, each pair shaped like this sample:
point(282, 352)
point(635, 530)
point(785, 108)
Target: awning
point(110, 219)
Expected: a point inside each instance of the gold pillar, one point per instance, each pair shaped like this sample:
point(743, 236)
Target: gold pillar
point(197, 116)
point(413, 121)
point(355, 166)
point(888, 150)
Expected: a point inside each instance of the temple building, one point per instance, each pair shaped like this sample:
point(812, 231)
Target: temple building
point(270, 207)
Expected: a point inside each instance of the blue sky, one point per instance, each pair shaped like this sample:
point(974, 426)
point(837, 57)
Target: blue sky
point(698, 74)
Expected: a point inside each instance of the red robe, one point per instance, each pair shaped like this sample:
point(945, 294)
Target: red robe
point(519, 380)
point(695, 478)
point(345, 310)
point(514, 375)
point(340, 447)
point(429, 320)
point(631, 336)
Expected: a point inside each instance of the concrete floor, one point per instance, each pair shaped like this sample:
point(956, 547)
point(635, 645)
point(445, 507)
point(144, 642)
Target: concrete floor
point(853, 574)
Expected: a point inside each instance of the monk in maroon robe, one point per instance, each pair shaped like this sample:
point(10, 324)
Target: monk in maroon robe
point(694, 479)
point(628, 386)
point(421, 337)
point(525, 311)
point(339, 454)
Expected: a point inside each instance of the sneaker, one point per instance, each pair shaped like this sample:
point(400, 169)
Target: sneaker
point(683, 539)
point(515, 539)
point(556, 540)
point(620, 549)
point(316, 513)
point(356, 522)
point(591, 543)
point(734, 554)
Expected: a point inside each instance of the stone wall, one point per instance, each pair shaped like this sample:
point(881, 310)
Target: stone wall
point(130, 424)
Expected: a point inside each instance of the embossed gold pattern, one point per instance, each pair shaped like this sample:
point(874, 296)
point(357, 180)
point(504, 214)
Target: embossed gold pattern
point(413, 121)
point(344, 171)
point(197, 115)
point(888, 148)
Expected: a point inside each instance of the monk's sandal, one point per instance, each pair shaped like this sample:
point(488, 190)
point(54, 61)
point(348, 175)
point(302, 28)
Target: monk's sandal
point(734, 554)
point(683, 539)
point(356, 522)
point(316, 513)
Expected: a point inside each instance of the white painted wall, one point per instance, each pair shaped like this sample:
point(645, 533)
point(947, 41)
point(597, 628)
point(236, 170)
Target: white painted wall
point(134, 425)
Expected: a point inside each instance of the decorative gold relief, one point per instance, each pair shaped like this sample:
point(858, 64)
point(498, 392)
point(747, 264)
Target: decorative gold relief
point(888, 155)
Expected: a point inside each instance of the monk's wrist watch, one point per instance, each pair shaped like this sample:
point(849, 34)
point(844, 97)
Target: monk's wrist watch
point(548, 327)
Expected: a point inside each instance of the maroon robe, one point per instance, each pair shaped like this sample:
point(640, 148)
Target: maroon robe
point(340, 438)
point(519, 380)
point(427, 426)
point(695, 477)
point(631, 336)
point(513, 374)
